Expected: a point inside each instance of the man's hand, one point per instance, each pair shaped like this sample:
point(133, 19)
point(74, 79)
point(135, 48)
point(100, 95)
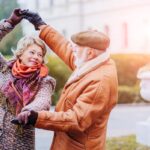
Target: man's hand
point(27, 117)
point(15, 17)
point(34, 18)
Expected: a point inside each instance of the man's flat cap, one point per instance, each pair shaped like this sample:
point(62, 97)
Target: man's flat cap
point(91, 38)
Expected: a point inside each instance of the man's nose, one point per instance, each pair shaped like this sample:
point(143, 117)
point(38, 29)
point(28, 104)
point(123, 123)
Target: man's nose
point(74, 50)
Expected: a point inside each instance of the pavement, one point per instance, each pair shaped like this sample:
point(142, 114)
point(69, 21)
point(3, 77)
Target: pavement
point(122, 121)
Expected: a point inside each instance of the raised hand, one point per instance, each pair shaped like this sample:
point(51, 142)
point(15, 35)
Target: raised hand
point(33, 18)
point(15, 17)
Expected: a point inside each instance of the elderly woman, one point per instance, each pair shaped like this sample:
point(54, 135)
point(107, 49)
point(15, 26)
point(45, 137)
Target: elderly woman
point(24, 85)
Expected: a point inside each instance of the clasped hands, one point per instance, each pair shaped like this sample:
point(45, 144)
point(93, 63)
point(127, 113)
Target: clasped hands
point(18, 14)
point(26, 118)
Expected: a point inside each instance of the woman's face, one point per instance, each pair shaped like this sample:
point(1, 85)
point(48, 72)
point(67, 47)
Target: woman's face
point(32, 56)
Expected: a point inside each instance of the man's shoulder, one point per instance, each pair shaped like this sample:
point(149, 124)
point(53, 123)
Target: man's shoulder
point(107, 68)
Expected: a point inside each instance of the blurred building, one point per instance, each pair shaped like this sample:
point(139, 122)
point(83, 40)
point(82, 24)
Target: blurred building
point(126, 22)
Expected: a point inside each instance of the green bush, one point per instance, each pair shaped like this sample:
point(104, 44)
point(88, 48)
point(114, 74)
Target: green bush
point(60, 72)
point(124, 143)
point(128, 65)
point(127, 68)
point(129, 94)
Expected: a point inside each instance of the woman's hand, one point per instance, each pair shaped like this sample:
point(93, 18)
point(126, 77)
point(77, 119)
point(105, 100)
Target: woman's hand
point(15, 17)
point(27, 117)
point(33, 18)
point(23, 117)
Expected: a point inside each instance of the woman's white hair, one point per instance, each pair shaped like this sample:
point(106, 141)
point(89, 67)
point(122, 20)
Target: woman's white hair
point(25, 42)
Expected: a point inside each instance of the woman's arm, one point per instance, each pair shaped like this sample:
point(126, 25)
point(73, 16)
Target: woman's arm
point(5, 28)
point(42, 100)
point(7, 25)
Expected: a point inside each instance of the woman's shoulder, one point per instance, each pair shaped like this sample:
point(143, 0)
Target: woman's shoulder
point(49, 80)
point(2, 58)
point(3, 63)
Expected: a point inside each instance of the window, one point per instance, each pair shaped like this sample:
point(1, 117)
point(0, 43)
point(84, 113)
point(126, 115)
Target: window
point(125, 35)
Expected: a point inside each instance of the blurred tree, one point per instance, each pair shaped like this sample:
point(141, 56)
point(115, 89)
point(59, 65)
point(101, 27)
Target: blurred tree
point(10, 41)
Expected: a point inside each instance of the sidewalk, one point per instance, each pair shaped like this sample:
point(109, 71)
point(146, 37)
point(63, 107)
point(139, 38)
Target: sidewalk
point(122, 121)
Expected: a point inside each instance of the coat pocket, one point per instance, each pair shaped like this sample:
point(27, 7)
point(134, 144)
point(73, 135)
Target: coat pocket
point(66, 142)
point(2, 114)
point(75, 145)
point(68, 104)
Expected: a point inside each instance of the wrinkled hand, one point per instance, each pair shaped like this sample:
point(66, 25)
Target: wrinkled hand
point(33, 18)
point(15, 17)
point(27, 117)
point(23, 117)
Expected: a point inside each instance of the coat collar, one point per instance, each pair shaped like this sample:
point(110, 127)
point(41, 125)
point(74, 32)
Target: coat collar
point(88, 66)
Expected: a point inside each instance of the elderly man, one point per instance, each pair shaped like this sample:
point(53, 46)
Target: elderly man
point(82, 112)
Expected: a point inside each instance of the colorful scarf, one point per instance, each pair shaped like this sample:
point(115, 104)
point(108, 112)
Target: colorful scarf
point(24, 85)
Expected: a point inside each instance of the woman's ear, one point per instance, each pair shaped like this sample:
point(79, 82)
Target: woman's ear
point(20, 58)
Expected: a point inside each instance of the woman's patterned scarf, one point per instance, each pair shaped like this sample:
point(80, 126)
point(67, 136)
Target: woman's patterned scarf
point(24, 85)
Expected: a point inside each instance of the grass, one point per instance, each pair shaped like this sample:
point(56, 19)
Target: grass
point(124, 143)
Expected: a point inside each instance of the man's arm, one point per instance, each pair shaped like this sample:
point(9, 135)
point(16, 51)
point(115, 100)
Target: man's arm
point(57, 42)
point(92, 103)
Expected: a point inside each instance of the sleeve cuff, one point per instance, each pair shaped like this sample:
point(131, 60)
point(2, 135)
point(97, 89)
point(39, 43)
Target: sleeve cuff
point(44, 31)
point(42, 117)
point(6, 23)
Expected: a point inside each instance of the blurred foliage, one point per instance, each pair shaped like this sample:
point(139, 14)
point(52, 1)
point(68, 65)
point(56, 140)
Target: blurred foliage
point(129, 94)
point(10, 40)
point(127, 67)
point(124, 143)
point(60, 72)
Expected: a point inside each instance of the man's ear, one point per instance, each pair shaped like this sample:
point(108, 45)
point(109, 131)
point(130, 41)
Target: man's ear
point(91, 54)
